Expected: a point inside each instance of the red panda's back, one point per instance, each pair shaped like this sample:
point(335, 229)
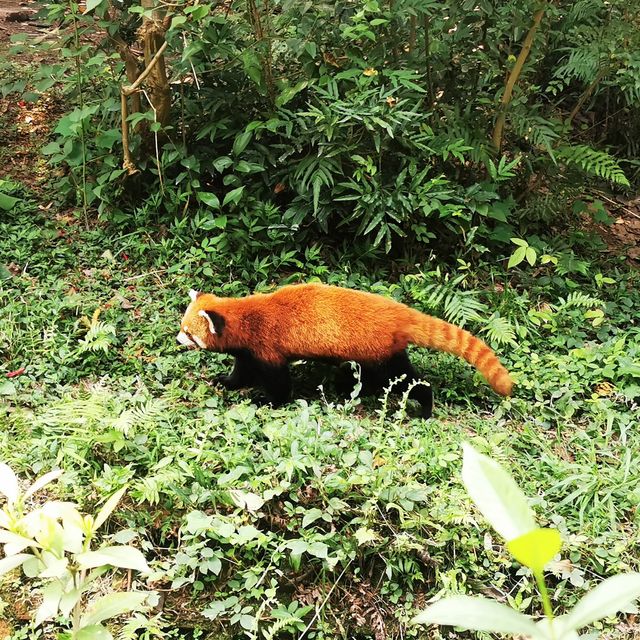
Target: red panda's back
point(316, 320)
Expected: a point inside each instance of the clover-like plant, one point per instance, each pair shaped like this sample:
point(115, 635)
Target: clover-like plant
point(52, 544)
point(504, 505)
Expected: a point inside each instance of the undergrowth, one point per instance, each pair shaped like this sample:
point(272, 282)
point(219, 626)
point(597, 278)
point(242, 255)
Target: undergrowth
point(330, 517)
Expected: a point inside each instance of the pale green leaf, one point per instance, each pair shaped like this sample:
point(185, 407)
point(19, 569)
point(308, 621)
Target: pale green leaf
point(68, 601)
point(609, 597)
point(318, 549)
point(479, 614)
point(8, 483)
point(364, 535)
point(246, 500)
point(108, 507)
point(43, 481)
point(124, 557)
point(311, 516)
point(535, 548)
point(11, 562)
point(93, 4)
point(15, 543)
point(51, 595)
point(496, 495)
point(94, 632)
point(7, 388)
point(112, 605)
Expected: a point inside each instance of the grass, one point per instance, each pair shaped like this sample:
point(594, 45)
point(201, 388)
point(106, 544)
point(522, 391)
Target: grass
point(361, 503)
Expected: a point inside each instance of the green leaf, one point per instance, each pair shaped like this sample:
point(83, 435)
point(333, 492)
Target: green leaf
point(520, 242)
point(535, 548)
point(124, 557)
point(93, 4)
point(43, 481)
point(241, 142)
point(108, 507)
point(210, 199)
point(609, 597)
point(112, 605)
point(252, 66)
point(7, 202)
point(222, 163)
point(517, 257)
point(94, 632)
point(496, 495)
point(233, 196)
point(479, 614)
point(531, 255)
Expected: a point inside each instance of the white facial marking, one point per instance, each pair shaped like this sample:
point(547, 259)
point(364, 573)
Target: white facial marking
point(204, 314)
point(184, 339)
point(199, 342)
point(193, 294)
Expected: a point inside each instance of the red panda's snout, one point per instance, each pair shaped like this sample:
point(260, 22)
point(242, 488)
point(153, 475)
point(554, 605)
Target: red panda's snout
point(183, 339)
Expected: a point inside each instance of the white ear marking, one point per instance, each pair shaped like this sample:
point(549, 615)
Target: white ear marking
point(193, 294)
point(205, 315)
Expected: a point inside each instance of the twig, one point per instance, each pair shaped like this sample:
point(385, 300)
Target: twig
point(321, 607)
point(513, 78)
point(144, 275)
point(618, 204)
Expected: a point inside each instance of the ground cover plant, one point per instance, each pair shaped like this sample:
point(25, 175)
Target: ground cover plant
point(347, 513)
point(353, 144)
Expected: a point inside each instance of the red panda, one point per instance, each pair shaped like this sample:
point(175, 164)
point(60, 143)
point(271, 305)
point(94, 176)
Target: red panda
point(266, 331)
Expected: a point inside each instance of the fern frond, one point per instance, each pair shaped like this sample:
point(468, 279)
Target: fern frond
point(584, 12)
point(540, 132)
point(583, 63)
point(500, 331)
point(580, 300)
point(456, 306)
point(598, 163)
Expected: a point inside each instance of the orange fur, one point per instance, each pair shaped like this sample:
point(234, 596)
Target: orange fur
point(321, 321)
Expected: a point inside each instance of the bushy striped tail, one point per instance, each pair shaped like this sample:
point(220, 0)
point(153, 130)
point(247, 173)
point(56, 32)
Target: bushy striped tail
point(438, 334)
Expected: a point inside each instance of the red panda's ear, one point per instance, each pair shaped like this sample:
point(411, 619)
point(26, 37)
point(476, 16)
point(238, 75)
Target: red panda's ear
point(206, 316)
point(216, 321)
point(193, 294)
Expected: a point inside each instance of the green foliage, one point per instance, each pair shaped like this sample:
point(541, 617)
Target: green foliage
point(51, 544)
point(246, 510)
point(594, 162)
point(366, 122)
point(500, 500)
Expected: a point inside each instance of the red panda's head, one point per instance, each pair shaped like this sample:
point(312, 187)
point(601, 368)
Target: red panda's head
point(201, 326)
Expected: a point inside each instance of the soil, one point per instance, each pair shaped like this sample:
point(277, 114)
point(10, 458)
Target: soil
point(19, 17)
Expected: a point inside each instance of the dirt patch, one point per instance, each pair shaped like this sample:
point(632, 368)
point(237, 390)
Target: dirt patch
point(622, 236)
point(18, 17)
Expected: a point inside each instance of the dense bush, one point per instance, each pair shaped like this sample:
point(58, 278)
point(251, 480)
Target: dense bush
point(359, 119)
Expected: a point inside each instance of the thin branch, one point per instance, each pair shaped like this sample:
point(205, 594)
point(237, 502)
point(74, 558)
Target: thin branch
point(513, 78)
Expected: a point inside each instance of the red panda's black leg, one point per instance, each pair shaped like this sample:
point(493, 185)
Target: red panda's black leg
point(243, 374)
point(400, 365)
point(276, 382)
